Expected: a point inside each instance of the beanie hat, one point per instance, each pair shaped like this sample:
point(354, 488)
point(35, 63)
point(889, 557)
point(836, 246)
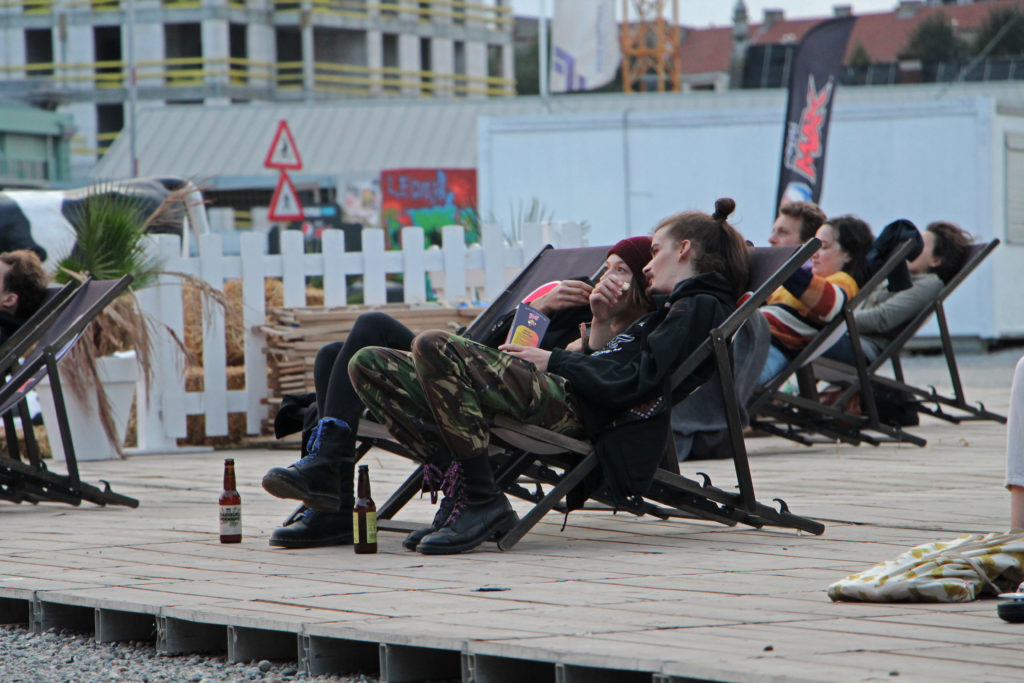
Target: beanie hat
point(635, 251)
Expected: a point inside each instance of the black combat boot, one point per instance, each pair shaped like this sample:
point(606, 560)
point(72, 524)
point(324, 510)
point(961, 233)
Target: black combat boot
point(479, 512)
point(307, 528)
point(318, 477)
point(433, 481)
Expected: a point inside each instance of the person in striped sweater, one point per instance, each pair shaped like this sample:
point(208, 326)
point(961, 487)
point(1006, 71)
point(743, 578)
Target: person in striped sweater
point(809, 299)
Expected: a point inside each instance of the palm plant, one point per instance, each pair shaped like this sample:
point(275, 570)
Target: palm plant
point(111, 226)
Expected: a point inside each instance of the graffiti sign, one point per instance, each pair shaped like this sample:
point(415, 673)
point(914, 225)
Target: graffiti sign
point(430, 198)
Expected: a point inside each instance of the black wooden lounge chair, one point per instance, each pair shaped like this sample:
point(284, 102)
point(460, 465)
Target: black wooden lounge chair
point(25, 477)
point(802, 417)
point(550, 264)
point(565, 462)
point(928, 400)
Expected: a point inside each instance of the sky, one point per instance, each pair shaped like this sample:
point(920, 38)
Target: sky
point(703, 13)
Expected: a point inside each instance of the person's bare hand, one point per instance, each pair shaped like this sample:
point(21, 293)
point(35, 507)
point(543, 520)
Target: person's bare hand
point(605, 296)
point(567, 294)
point(538, 357)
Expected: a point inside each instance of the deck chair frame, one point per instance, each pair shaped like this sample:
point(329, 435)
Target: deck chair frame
point(679, 495)
point(543, 268)
point(864, 373)
point(803, 417)
point(53, 337)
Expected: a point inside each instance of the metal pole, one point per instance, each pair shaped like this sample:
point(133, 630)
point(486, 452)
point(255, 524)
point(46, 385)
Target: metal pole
point(132, 90)
point(542, 55)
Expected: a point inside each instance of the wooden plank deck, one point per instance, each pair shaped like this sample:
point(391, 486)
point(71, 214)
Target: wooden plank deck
point(609, 595)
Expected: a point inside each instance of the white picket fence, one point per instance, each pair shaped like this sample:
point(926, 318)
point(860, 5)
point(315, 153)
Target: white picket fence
point(478, 272)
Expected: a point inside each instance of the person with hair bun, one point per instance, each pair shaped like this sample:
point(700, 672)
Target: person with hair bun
point(439, 399)
point(809, 299)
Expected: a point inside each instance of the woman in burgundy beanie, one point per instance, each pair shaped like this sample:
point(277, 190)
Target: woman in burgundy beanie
point(620, 296)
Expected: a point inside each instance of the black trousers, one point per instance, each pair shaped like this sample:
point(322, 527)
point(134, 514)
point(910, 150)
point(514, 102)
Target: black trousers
point(335, 396)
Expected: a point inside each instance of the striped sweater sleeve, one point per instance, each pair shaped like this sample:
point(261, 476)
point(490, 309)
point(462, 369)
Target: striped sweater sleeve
point(822, 298)
point(805, 304)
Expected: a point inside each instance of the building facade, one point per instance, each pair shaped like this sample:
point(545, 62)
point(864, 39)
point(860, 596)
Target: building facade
point(75, 56)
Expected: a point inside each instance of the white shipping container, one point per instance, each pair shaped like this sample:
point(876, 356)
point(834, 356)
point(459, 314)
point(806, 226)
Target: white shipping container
point(960, 160)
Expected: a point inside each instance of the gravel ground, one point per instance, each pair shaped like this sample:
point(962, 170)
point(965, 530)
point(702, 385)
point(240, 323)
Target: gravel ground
point(62, 657)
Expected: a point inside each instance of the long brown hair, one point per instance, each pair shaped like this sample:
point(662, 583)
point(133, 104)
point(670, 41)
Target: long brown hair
point(718, 246)
point(951, 245)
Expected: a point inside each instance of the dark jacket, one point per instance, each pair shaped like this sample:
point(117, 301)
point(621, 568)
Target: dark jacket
point(623, 391)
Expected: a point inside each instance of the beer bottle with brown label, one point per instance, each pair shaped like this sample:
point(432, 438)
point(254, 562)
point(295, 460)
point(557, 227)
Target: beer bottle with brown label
point(364, 516)
point(230, 507)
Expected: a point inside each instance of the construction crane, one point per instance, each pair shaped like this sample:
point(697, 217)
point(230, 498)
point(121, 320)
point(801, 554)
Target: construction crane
point(650, 45)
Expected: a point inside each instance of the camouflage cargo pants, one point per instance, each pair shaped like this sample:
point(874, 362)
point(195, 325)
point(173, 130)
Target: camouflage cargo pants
point(440, 395)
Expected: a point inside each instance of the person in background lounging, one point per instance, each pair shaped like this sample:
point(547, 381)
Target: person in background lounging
point(809, 300)
point(323, 478)
point(880, 318)
point(796, 223)
point(22, 289)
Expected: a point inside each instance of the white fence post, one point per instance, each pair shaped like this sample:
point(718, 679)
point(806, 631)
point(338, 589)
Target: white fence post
point(374, 277)
point(215, 379)
point(160, 420)
point(492, 238)
point(453, 243)
point(333, 256)
point(254, 314)
point(414, 262)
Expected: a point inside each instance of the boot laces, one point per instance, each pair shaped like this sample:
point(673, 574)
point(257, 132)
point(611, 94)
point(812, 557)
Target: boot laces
point(454, 487)
point(433, 479)
point(313, 444)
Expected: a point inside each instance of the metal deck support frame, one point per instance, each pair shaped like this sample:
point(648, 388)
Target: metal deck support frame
point(247, 644)
point(480, 668)
point(14, 611)
point(574, 673)
point(179, 637)
point(323, 655)
point(45, 615)
point(399, 663)
point(113, 626)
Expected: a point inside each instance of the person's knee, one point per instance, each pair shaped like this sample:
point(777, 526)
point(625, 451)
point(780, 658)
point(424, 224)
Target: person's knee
point(328, 352)
point(363, 361)
point(430, 343)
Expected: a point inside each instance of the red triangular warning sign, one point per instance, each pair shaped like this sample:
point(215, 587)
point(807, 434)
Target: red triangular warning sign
point(285, 206)
point(283, 153)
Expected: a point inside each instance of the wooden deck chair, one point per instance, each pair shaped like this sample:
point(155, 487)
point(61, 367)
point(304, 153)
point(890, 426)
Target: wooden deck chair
point(802, 417)
point(548, 265)
point(27, 478)
point(536, 450)
point(865, 374)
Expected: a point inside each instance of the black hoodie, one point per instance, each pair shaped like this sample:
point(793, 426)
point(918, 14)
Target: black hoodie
point(623, 390)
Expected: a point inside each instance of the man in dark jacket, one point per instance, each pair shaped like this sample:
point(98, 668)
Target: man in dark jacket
point(437, 399)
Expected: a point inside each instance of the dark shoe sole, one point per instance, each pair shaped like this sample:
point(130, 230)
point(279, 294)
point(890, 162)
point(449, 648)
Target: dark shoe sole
point(281, 486)
point(500, 527)
point(310, 542)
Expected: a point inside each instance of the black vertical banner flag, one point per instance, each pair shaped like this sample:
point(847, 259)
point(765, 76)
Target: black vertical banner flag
point(813, 78)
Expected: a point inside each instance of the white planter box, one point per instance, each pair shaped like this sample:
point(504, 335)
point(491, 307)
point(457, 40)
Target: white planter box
point(118, 374)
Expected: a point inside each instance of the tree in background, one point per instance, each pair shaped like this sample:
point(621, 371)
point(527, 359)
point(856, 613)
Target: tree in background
point(1010, 43)
point(935, 40)
point(859, 58)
